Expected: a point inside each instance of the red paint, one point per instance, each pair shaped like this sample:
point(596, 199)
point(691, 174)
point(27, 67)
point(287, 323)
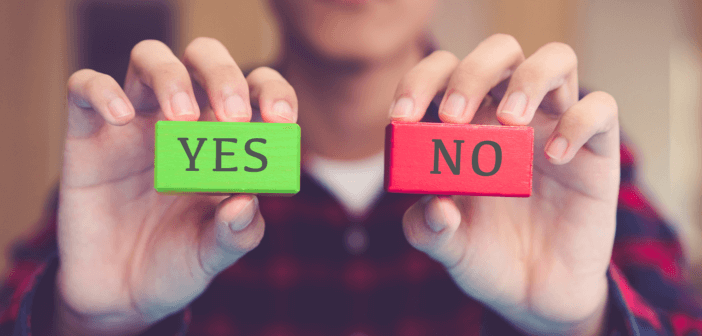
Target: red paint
point(411, 156)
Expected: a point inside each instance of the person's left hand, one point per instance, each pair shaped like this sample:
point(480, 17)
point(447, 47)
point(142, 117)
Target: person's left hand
point(540, 262)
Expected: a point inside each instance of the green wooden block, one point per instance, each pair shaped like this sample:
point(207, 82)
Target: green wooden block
point(227, 157)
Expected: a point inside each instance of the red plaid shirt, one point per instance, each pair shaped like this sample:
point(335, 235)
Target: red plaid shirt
point(304, 280)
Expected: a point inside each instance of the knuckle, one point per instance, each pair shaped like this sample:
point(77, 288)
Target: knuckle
point(507, 40)
point(264, 73)
point(90, 85)
point(445, 56)
point(205, 41)
point(221, 73)
point(562, 49)
point(504, 38)
point(144, 47)
point(97, 82)
point(169, 70)
point(426, 70)
point(409, 80)
point(227, 70)
point(529, 73)
point(475, 70)
point(78, 78)
point(269, 80)
point(198, 44)
point(280, 84)
point(576, 119)
point(608, 101)
point(277, 88)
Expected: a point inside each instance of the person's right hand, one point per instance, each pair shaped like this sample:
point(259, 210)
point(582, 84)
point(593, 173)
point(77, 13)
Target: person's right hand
point(130, 256)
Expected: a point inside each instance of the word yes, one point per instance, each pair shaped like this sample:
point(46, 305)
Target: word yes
point(220, 153)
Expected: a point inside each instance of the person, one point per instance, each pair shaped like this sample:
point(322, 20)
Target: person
point(585, 254)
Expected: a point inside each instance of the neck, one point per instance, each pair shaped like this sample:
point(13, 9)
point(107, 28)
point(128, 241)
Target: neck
point(343, 105)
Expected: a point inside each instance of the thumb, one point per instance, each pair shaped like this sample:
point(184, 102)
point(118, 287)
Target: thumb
point(237, 229)
point(432, 225)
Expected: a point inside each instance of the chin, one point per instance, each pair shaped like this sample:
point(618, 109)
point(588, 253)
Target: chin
point(354, 47)
point(355, 30)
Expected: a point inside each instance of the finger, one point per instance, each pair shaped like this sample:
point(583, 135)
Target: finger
point(592, 122)
point(93, 98)
point(156, 78)
point(431, 225)
point(237, 229)
point(553, 70)
point(272, 95)
point(418, 87)
point(214, 69)
point(492, 61)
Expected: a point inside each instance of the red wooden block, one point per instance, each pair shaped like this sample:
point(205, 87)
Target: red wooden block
point(452, 159)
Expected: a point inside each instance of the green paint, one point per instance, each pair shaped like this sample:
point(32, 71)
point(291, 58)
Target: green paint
point(264, 159)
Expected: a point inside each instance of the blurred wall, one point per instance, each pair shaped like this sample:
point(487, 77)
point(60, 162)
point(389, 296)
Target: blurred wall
point(33, 71)
point(640, 51)
point(644, 54)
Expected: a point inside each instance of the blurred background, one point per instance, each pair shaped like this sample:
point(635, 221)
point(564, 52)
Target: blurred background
point(644, 52)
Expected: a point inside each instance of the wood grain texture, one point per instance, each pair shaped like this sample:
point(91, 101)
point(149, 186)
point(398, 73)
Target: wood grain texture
point(218, 157)
point(450, 159)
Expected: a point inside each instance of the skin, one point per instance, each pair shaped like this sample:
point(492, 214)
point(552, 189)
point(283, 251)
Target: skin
point(131, 256)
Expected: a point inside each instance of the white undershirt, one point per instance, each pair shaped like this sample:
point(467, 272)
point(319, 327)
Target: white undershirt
point(356, 184)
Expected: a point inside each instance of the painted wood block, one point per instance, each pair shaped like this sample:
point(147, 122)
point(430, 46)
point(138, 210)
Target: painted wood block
point(227, 157)
point(452, 159)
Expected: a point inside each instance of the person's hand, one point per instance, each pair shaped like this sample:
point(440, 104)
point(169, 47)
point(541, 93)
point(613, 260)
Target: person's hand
point(541, 261)
point(130, 256)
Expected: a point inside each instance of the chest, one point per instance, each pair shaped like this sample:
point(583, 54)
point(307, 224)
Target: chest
point(317, 273)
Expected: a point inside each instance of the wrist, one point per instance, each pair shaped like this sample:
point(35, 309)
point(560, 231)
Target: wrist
point(70, 320)
point(589, 321)
point(67, 321)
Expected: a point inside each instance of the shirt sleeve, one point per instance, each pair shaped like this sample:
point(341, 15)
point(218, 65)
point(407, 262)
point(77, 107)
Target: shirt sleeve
point(650, 289)
point(27, 295)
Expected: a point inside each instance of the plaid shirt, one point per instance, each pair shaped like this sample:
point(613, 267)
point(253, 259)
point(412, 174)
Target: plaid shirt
point(305, 278)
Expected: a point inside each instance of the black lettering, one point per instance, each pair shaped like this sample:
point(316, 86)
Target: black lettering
point(191, 157)
point(498, 158)
point(264, 161)
point(439, 146)
point(220, 153)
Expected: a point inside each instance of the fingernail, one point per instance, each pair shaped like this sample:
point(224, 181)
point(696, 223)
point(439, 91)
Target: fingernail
point(403, 107)
point(516, 103)
point(182, 104)
point(455, 105)
point(118, 108)
point(557, 148)
point(245, 216)
point(234, 107)
point(282, 109)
